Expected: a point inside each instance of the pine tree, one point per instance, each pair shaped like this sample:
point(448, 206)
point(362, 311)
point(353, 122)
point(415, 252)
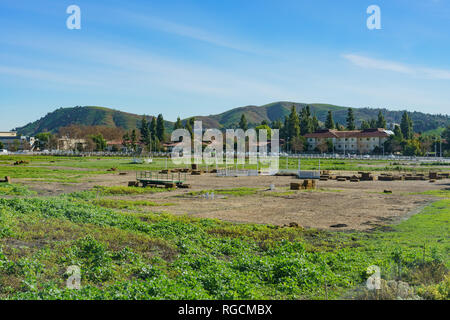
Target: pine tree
point(293, 129)
point(277, 124)
point(178, 124)
point(153, 137)
point(365, 125)
point(145, 133)
point(160, 130)
point(306, 125)
point(350, 119)
point(243, 123)
point(133, 140)
point(381, 122)
point(372, 123)
point(315, 124)
point(153, 129)
point(398, 133)
point(329, 123)
point(190, 125)
point(406, 126)
point(283, 129)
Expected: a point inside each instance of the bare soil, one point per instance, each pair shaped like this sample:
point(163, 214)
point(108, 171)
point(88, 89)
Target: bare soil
point(335, 205)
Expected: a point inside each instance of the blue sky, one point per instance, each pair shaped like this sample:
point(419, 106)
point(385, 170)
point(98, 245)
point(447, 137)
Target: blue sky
point(184, 58)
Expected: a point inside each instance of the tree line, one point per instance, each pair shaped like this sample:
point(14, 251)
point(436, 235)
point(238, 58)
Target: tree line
point(151, 134)
point(405, 141)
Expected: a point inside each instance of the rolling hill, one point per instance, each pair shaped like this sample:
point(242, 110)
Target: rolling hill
point(88, 116)
point(278, 110)
point(230, 119)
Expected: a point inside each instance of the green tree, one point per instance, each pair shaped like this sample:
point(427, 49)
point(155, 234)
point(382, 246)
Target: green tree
point(283, 131)
point(329, 123)
point(100, 142)
point(178, 124)
point(315, 123)
point(243, 123)
point(372, 123)
point(306, 125)
point(266, 127)
point(126, 140)
point(293, 129)
point(43, 140)
point(381, 122)
point(398, 133)
point(1, 145)
point(406, 126)
point(145, 133)
point(277, 124)
point(190, 125)
point(153, 128)
point(412, 148)
point(160, 130)
point(395, 142)
point(446, 137)
point(350, 119)
point(365, 125)
point(133, 140)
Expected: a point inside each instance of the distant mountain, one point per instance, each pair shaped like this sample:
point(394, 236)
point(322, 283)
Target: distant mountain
point(91, 116)
point(88, 116)
point(278, 110)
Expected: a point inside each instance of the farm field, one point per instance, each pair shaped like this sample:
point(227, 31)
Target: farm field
point(249, 242)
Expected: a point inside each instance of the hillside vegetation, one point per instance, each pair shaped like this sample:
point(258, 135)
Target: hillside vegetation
point(86, 116)
point(99, 116)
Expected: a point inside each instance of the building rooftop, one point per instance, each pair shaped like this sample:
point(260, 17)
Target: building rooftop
point(330, 133)
point(7, 134)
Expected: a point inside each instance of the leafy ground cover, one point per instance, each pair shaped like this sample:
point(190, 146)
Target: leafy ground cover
point(15, 190)
point(148, 255)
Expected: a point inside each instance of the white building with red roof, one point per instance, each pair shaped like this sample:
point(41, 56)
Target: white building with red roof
point(355, 141)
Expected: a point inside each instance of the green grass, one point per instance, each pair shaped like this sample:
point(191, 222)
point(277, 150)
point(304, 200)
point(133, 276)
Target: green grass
point(162, 256)
point(15, 190)
point(95, 166)
point(46, 174)
point(436, 193)
point(127, 204)
point(120, 190)
point(430, 228)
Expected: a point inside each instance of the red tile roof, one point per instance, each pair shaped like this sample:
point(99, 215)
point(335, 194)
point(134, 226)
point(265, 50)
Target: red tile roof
point(348, 134)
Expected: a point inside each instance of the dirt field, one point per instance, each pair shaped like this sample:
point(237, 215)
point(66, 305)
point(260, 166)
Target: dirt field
point(335, 205)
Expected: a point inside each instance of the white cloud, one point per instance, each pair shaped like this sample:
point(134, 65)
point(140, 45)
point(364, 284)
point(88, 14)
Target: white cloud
point(43, 75)
point(420, 72)
point(183, 30)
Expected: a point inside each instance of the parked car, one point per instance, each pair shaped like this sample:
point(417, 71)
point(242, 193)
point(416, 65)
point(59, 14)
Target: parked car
point(3, 151)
